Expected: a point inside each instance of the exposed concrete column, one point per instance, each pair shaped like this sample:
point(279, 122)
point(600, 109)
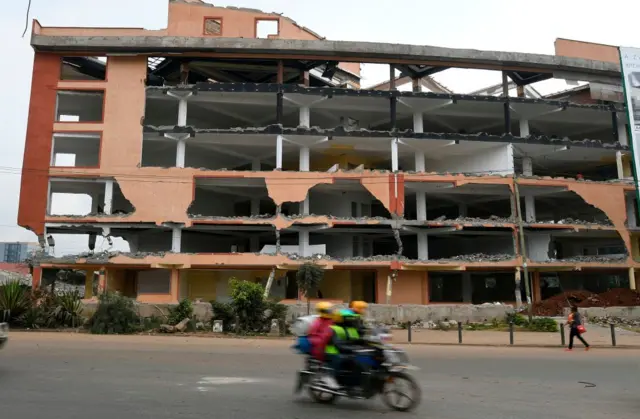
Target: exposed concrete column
point(304, 159)
point(176, 239)
point(462, 209)
point(423, 245)
point(623, 137)
point(630, 205)
point(394, 155)
point(418, 122)
point(182, 112)
point(180, 153)
point(303, 243)
point(527, 166)
point(421, 206)
point(255, 206)
point(530, 208)
point(419, 156)
point(279, 152)
point(108, 196)
point(632, 278)
point(467, 288)
point(304, 205)
point(305, 116)
point(256, 166)
point(174, 288)
point(619, 165)
point(88, 284)
point(524, 128)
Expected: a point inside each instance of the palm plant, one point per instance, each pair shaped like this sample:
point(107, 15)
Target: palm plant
point(14, 300)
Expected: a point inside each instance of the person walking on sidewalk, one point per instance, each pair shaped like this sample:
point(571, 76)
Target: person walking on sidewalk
point(576, 328)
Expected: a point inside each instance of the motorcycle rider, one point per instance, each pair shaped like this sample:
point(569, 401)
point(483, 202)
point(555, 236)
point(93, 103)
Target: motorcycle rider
point(360, 308)
point(320, 330)
point(343, 342)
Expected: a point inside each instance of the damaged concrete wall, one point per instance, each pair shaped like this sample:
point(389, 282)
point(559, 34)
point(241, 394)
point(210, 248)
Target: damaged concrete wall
point(493, 160)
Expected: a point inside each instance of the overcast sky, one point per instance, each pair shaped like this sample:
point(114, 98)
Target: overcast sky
point(485, 25)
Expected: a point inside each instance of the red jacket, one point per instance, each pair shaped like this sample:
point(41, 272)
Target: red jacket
point(319, 335)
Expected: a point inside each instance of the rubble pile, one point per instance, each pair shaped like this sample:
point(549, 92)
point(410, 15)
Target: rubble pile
point(474, 220)
point(575, 221)
point(555, 305)
point(478, 257)
point(617, 297)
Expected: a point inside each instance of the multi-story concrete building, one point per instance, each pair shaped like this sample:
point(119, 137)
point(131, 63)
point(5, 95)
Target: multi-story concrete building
point(237, 143)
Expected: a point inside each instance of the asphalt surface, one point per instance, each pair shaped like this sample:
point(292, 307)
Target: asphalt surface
point(80, 376)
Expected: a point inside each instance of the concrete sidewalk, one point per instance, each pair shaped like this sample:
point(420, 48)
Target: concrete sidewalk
point(596, 336)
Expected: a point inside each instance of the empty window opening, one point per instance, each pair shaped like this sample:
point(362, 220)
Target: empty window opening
point(231, 152)
point(67, 280)
point(442, 202)
point(84, 68)
point(78, 240)
point(597, 164)
point(228, 239)
point(75, 150)
point(360, 241)
point(158, 151)
point(79, 106)
point(557, 205)
point(493, 287)
point(161, 110)
point(267, 28)
point(227, 197)
point(213, 26)
point(553, 283)
point(81, 198)
point(345, 199)
point(470, 246)
point(445, 287)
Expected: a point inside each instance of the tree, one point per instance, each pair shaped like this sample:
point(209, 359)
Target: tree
point(309, 277)
point(247, 300)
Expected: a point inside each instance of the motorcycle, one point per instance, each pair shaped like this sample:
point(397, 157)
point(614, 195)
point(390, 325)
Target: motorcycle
point(378, 369)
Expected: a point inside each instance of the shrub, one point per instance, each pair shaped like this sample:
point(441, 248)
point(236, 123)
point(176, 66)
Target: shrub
point(151, 322)
point(14, 301)
point(544, 324)
point(517, 319)
point(247, 300)
point(184, 310)
point(66, 311)
point(224, 312)
point(115, 315)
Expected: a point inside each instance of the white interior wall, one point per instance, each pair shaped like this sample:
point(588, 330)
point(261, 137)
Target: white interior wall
point(538, 246)
point(493, 160)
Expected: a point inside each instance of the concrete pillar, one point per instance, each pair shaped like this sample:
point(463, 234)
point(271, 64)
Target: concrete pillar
point(304, 159)
point(180, 153)
point(95, 202)
point(255, 165)
point(418, 122)
point(462, 209)
point(619, 165)
point(421, 206)
point(536, 289)
point(630, 205)
point(304, 205)
point(423, 245)
point(88, 284)
point(174, 288)
point(303, 243)
point(279, 152)
point(254, 244)
point(255, 206)
point(176, 240)
point(305, 116)
point(530, 208)
point(419, 158)
point(102, 280)
point(623, 138)
point(394, 155)
point(524, 128)
point(632, 278)
point(182, 112)
point(527, 166)
point(467, 288)
point(108, 196)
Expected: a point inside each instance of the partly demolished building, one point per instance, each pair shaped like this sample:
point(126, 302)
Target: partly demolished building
point(237, 143)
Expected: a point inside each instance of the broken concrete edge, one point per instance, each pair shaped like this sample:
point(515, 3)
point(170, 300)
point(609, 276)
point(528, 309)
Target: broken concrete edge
point(277, 129)
point(329, 91)
point(346, 51)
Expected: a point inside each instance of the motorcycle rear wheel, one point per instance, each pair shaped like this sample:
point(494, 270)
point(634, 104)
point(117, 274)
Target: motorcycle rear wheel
point(320, 396)
point(389, 390)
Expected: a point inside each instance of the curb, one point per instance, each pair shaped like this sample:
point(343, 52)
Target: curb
point(506, 345)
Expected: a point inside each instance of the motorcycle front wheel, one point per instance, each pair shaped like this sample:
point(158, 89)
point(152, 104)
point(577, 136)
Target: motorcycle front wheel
point(401, 392)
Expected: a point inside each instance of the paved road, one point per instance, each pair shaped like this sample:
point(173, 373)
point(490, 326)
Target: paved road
point(79, 376)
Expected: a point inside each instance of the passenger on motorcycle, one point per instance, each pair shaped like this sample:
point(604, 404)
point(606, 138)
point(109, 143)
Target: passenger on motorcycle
point(360, 308)
point(320, 330)
point(344, 340)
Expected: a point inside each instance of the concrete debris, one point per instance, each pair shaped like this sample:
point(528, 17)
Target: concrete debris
point(182, 326)
point(617, 297)
point(570, 220)
point(493, 219)
point(587, 259)
point(476, 257)
point(606, 145)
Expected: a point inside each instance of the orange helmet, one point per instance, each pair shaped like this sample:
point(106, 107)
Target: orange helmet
point(358, 306)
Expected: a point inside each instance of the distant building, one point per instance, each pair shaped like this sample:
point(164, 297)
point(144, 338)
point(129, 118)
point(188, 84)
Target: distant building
point(15, 252)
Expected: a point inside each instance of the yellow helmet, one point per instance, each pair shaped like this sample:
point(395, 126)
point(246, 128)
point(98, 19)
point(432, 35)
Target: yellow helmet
point(358, 306)
point(325, 309)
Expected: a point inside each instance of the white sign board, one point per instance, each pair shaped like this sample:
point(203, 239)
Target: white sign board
point(630, 65)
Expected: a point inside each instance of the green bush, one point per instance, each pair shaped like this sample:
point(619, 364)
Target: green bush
point(224, 312)
point(247, 300)
point(184, 310)
point(151, 322)
point(517, 319)
point(115, 315)
point(66, 310)
point(544, 324)
point(14, 301)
